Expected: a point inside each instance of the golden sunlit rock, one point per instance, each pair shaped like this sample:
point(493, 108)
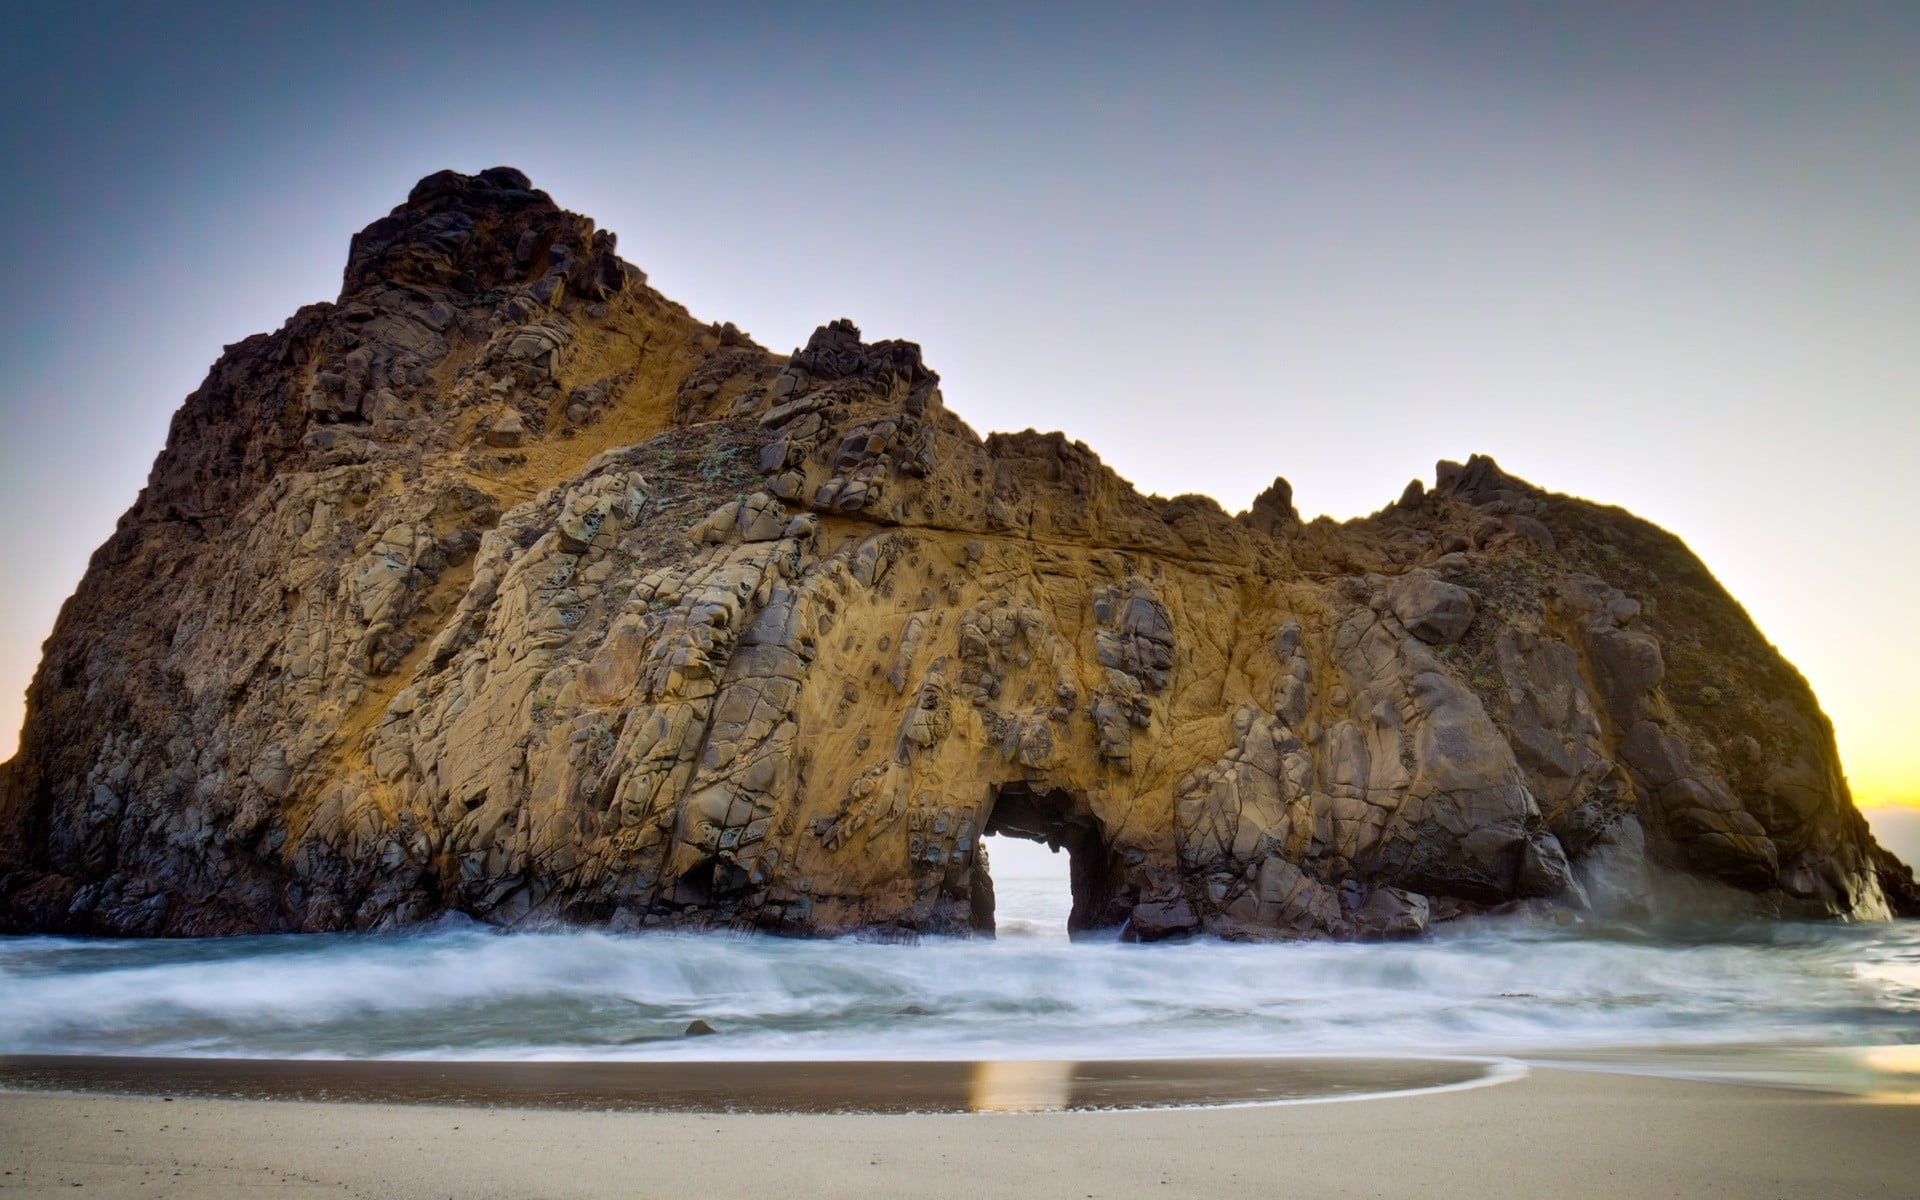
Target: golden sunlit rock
point(502, 586)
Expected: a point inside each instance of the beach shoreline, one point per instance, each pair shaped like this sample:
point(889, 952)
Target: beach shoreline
point(781, 1087)
point(1546, 1131)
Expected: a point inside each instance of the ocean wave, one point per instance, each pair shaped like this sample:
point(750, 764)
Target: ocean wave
point(469, 992)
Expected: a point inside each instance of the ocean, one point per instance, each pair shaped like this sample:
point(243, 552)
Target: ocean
point(1606, 992)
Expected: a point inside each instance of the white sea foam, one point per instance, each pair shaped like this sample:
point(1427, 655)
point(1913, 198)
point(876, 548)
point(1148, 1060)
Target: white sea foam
point(1501, 988)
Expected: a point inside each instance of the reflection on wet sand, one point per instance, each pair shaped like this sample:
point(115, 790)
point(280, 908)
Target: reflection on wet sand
point(1894, 1073)
point(1884, 1074)
point(1043, 1085)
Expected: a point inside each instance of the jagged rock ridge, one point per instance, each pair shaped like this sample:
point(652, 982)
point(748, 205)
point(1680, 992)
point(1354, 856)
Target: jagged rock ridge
point(503, 586)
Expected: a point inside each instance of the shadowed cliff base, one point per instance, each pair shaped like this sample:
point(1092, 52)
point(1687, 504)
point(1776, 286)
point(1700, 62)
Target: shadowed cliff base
point(502, 586)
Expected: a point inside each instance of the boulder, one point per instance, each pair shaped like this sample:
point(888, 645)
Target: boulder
point(1432, 610)
point(506, 431)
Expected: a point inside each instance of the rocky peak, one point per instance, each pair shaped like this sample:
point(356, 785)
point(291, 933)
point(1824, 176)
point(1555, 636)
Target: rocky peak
point(1480, 481)
point(891, 370)
point(1272, 511)
point(474, 233)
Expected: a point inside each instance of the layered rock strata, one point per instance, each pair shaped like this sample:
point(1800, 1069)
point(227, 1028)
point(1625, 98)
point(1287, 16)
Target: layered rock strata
point(502, 586)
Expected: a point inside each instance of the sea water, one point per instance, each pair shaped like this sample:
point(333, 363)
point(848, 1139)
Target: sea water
point(1495, 986)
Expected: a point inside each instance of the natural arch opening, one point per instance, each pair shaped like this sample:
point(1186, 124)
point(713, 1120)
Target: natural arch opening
point(1062, 822)
point(1028, 891)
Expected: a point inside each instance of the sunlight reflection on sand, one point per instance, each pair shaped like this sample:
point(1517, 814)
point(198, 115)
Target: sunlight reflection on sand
point(1896, 1073)
point(1041, 1085)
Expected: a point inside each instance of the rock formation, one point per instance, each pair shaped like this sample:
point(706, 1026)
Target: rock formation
point(503, 586)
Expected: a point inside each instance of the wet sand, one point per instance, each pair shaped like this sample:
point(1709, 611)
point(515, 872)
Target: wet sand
point(749, 1087)
point(1553, 1132)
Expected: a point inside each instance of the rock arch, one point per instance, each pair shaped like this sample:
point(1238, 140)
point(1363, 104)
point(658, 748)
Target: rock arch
point(502, 586)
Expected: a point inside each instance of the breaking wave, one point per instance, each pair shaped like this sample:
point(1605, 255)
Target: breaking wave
point(462, 991)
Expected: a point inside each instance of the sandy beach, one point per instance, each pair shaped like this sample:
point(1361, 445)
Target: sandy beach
point(1551, 1132)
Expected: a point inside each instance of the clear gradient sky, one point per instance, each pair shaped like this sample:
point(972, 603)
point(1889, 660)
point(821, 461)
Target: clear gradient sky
point(1665, 260)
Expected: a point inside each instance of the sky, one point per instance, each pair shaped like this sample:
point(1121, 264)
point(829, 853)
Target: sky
point(1663, 259)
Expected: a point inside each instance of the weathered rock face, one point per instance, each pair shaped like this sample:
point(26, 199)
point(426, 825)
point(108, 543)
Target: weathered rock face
point(503, 586)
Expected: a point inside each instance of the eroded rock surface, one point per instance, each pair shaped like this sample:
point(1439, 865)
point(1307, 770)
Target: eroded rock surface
point(503, 586)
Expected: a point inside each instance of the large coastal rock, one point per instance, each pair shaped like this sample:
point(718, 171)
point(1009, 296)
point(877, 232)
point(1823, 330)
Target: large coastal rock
point(503, 586)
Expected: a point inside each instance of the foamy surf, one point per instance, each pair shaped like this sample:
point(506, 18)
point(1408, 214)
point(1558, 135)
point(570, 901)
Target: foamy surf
point(470, 993)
